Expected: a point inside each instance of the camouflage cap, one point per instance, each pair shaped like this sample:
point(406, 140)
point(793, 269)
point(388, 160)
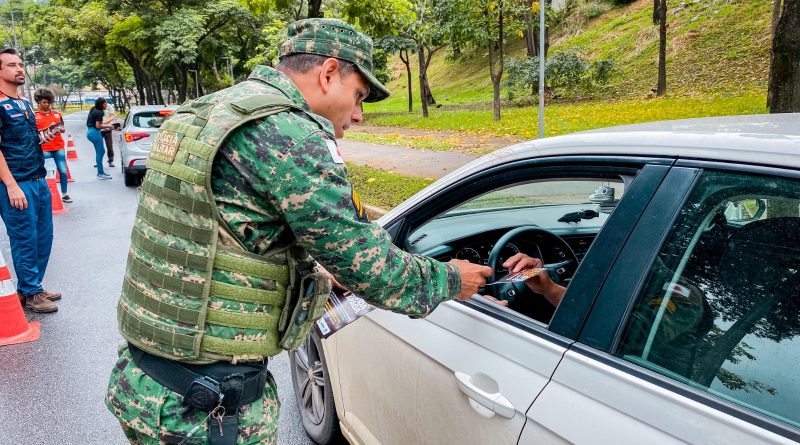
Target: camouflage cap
point(335, 38)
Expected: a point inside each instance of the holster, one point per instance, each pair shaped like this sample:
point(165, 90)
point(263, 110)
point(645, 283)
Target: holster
point(304, 306)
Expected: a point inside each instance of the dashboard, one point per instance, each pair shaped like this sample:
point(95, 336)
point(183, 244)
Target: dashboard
point(476, 249)
point(471, 236)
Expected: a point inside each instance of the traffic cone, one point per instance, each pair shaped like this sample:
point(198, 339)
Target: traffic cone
point(69, 176)
point(14, 328)
point(71, 152)
point(55, 201)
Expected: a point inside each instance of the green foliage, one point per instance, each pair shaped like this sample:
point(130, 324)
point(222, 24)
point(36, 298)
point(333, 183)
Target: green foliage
point(562, 118)
point(380, 65)
point(595, 10)
point(178, 37)
point(602, 70)
point(383, 189)
point(565, 69)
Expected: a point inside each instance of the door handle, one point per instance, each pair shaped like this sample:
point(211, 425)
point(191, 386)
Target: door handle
point(493, 401)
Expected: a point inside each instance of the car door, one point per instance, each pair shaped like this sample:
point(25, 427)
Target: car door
point(469, 371)
point(695, 336)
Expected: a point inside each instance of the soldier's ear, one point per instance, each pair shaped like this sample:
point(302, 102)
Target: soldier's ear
point(328, 73)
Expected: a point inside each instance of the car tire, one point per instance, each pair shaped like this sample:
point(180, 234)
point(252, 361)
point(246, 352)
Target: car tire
point(314, 396)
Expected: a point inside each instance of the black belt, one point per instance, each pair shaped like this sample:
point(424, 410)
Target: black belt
point(239, 384)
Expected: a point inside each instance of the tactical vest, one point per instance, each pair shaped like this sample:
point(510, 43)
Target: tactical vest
point(185, 296)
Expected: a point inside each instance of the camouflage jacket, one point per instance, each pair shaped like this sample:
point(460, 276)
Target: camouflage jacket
point(282, 178)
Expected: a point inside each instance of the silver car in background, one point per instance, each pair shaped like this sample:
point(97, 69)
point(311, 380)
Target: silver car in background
point(136, 139)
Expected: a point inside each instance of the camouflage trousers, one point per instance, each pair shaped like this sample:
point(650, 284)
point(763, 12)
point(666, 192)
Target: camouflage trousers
point(151, 414)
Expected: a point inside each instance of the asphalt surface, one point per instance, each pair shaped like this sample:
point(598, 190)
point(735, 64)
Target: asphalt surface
point(52, 390)
point(404, 161)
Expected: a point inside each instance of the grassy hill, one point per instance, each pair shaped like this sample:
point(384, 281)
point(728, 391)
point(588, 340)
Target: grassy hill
point(716, 48)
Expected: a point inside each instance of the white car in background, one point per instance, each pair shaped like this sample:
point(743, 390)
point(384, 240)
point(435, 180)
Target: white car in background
point(136, 139)
point(679, 245)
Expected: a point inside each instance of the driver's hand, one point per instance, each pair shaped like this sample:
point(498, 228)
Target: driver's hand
point(541, 284)
point(496, 301)
point(473, 277)
point(520, 262)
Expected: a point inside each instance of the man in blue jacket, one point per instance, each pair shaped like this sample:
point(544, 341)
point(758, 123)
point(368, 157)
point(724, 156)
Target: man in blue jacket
point(24, 196)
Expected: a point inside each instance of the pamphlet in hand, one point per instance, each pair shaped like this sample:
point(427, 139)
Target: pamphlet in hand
point(519, 276)
point(341, 309)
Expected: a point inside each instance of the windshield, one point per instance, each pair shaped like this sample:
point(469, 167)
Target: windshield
point(149, 119)
point(545, 193)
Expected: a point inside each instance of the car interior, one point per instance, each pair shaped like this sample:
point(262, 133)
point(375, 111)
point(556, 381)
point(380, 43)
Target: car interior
point(553, 219)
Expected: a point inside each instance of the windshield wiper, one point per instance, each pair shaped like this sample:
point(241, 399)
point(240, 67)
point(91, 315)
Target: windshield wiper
point(576, 217)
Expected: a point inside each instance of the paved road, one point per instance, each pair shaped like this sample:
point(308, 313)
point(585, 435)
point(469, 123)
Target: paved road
point(51, 391)
point(423, 163)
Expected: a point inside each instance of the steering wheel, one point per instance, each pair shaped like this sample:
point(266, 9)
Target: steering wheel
point(558, 271)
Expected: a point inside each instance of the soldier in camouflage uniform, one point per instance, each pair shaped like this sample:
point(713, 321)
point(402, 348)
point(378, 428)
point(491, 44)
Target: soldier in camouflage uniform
point(277, 182)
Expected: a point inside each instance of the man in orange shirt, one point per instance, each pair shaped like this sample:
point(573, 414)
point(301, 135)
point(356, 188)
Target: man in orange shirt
point(45, 117)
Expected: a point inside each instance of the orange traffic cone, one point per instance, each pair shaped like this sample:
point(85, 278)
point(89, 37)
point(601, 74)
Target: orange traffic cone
point(69, 176)
point(71, 152)
point(14, 328)
point(55, 201)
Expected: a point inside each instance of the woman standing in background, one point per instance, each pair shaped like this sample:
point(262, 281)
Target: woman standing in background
point(94, 123)
point(45, 118)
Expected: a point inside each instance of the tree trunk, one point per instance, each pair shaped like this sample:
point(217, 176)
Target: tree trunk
point(407, 63)
point(529, 34)
point(423, 80)
point(784, 73)
point(159, 93)
point(314, 9)
point(496, 63)
point(215, 71)
point(428, 93)
point(661, 88)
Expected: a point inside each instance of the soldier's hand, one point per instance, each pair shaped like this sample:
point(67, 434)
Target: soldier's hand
point(473, 276)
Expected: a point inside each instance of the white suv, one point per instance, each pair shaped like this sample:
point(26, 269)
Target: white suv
point(136, 139)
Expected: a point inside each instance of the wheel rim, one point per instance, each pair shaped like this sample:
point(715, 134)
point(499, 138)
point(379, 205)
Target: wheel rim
point(310, 377)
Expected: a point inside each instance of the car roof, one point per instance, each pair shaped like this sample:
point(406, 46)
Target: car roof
point(138, 108)
point(763, 139)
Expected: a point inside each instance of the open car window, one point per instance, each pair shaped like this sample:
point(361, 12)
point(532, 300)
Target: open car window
point(561, 217)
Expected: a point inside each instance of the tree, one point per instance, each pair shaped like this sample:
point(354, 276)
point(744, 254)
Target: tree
point(487, 24)
point(404, 47)
point(660, 19)
point(530, 33)
point(784, 74)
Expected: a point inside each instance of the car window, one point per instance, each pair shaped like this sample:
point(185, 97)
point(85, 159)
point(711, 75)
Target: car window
point(589, 192)
point(720, 309)
point(561, 216)
point(149, 119)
